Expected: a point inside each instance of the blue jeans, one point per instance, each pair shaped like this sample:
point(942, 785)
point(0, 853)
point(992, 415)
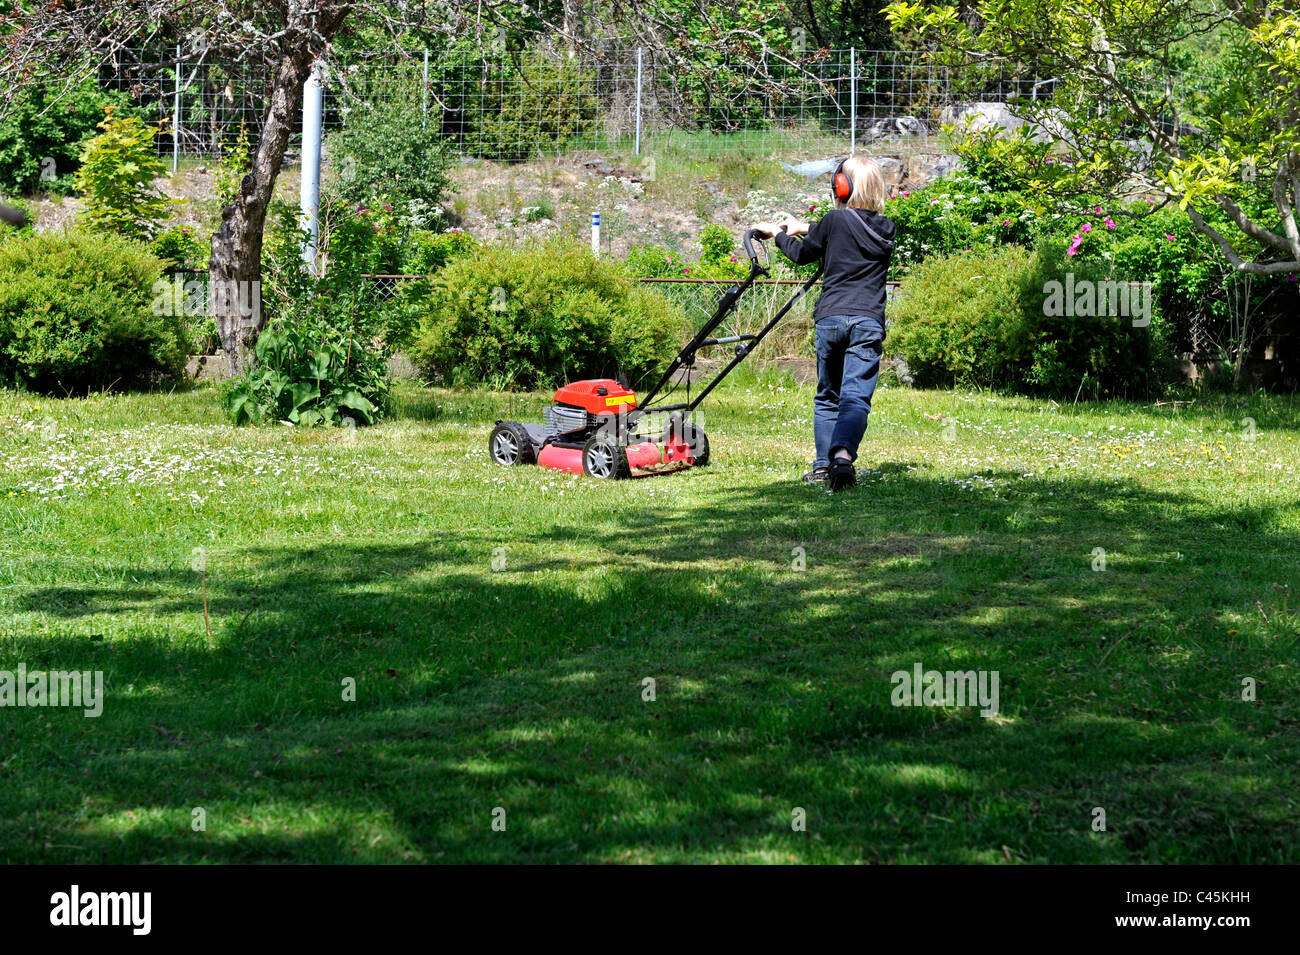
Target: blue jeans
point(848, 365)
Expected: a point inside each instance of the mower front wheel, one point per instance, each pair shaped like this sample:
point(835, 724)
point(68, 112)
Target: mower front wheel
point(698, 442)
point(509, 444)
point(689, 434)
point(603, 458)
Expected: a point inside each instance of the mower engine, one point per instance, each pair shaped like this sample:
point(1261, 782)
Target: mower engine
point(595, 428)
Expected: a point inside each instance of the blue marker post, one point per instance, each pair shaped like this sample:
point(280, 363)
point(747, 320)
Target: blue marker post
point(595, 233)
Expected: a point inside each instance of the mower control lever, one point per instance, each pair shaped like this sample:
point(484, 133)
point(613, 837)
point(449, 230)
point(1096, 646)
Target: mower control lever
point(747, 240)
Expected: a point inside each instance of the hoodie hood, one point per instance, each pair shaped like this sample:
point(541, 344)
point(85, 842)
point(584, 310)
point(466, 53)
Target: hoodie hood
point(873, 222)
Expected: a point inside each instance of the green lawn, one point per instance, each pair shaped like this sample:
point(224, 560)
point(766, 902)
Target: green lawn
point(334, 555)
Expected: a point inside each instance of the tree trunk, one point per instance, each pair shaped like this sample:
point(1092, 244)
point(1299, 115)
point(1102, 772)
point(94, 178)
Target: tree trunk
point(235, 269)
point(574, 27)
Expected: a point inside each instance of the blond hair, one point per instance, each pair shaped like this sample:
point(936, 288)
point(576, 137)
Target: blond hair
point(868, 184)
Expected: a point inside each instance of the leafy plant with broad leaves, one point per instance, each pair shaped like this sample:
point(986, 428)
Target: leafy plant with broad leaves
point(308, 372)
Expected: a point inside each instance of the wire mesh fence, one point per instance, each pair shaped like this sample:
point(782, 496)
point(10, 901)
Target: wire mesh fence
point(697, 298)
point(512, 106)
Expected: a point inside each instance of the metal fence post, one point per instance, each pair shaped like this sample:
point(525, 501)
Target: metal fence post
point(637, 148)
point(176, 115)
point(853, 99)
point(313, 101)
point(425, 120)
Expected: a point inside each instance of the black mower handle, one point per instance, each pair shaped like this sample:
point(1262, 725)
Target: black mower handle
point(747, 240)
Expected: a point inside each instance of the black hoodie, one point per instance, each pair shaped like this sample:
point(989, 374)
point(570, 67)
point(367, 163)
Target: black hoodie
point(853, 278)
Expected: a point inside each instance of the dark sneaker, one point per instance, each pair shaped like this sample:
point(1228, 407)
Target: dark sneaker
point(843, 475)
point(817, 476)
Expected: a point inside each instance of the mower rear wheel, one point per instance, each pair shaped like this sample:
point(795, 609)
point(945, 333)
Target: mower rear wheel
point(509, 444)
point(603, 458)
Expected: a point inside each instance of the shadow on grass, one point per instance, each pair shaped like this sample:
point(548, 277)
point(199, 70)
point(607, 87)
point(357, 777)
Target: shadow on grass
point(770, 620)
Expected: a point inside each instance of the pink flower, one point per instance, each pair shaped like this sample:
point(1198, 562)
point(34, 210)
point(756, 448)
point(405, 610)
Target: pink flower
point(1150, 202)
point(812, 208)
point(1169, 237)
point(906, 194)
point(669, 259)
point(1087, 227)
point(1006, 222)
point(933, 201)
point(687, 270)
point(733, 258)
point(1097, 210)
point(1074, 246)
point(376, 226)
point(1110, 223)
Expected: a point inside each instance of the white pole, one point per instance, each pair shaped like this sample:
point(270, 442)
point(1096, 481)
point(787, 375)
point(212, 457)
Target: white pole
point(425, 121)
point(176, 115)
point(595, 233)
point(313, 99)
point(853, 99)
point(637, 150)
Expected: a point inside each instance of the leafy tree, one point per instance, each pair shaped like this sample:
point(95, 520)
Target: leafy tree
point(42, 134)
point(1229, 157)
point(117, 171)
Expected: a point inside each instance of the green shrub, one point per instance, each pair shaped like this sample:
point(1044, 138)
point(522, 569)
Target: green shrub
point(960, 213)
point(116, 177)
point(956, 319)
point(307, 372)
point(181, 247)
point(387, 151)
point(235, 162)
point(652, 262)
point(428, 252)
point(987, 319)
point(1002, 162)
point(716, 243)
point(41, 138)
point(81, 312)
point(1097, 356)
point(363, 239)
point(545, 313)
point(515, 112)
point(357, 240)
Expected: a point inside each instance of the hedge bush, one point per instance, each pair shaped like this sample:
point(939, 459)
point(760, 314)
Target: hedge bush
point(955, 318)
point(78, 313)
point(1095, 356)
point(979, 319)
point(542, 314)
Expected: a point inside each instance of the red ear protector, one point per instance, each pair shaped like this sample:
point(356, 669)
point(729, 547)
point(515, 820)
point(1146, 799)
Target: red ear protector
point(841, 184)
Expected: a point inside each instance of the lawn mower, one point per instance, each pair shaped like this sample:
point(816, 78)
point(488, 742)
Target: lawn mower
point(600, 428)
